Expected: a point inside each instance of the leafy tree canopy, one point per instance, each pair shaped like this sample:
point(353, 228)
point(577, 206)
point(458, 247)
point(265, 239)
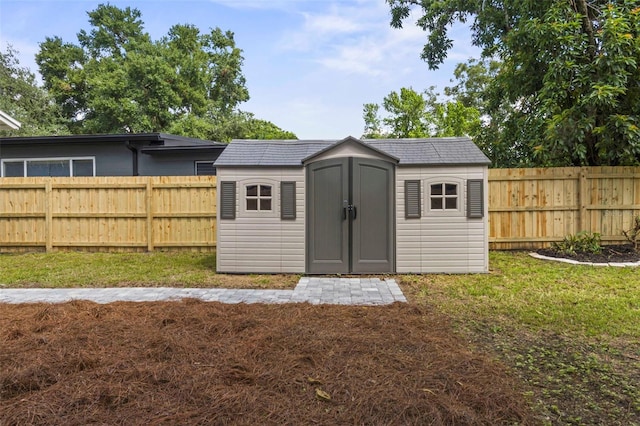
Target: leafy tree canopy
point(567, 91)
point(116, 79)
point(24, 100)
point(410, 114)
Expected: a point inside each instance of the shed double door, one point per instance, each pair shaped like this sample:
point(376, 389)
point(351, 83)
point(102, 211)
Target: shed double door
point(350, 211)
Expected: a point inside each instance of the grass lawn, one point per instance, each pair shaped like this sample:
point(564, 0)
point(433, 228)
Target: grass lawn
point(570, 334)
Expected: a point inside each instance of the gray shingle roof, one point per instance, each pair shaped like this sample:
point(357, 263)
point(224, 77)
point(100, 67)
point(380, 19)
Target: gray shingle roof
point(432, 151)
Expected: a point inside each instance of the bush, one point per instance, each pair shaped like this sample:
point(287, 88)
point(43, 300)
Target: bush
point(582, 242)
point(633, 234)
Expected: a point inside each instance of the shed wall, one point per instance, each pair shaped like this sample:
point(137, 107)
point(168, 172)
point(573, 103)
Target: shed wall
point(440, 242)
point(260, 241)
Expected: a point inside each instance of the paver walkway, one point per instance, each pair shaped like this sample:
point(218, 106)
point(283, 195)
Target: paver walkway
point(316, 290)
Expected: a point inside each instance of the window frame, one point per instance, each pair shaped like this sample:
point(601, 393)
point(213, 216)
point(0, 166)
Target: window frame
point(459, 196)
point(259, 198)
point(195, 167)
point(25, 161)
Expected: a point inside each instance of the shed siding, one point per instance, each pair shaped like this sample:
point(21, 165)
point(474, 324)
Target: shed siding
point(255, 242)
point(439, 242)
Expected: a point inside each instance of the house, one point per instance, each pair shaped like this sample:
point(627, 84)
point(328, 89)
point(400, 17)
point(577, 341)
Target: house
point(142, 154)
point(352, 206)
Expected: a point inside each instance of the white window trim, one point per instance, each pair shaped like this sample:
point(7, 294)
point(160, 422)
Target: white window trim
point(25, 160)
point(275, 198)
point(459, 211)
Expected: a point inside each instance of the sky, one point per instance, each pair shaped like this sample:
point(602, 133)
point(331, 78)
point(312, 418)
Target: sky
point(310, 65)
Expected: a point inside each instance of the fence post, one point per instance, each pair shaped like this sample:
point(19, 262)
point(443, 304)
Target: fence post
point(149, 200)
point(584, 193)
point(48, 216)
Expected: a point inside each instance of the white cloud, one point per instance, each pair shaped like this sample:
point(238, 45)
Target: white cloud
point(355, 38)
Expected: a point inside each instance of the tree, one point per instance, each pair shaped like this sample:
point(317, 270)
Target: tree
point(417, 115)
point(569, 81)
point(24, 100)
point(116, 79)
point(501, 133)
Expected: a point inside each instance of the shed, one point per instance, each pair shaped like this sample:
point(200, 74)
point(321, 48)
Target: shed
point(352, 206)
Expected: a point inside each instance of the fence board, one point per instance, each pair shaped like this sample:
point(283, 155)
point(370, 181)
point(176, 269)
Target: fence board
point(531, 208)
point(108, 213)
point(528, 208)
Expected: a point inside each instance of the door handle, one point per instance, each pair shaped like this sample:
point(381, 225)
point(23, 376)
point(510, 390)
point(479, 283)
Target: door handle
point(354, 212)
point(344, 213)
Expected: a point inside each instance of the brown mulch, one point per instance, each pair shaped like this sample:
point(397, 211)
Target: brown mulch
point(192, 362)
point(613, 253)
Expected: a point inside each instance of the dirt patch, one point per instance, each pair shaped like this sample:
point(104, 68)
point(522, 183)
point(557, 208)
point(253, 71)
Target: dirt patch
point(192, 362)
point(609, 254)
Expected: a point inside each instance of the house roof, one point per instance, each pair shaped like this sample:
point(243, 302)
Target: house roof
point(292, 153)
point(154, 142)
point(7, 122)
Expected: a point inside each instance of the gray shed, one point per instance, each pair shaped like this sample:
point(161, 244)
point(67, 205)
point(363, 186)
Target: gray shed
point(352, 206)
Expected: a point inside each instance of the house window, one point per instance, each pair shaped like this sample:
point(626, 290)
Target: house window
point(54, 167)
point(258, 197)
point(205, 168)
point(443, 196)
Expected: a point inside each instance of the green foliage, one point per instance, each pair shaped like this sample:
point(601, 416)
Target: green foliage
point(22, 99)
point(417, 115)
point(118, 80)
point(633, 235)
point(582, 242)
point(567, 88)
point(265, 130)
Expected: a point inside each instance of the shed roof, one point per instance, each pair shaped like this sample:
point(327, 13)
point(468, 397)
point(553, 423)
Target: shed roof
point(292, 153)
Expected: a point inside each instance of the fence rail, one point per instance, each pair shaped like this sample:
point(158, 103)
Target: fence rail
point(108, 213)
point(528, 208)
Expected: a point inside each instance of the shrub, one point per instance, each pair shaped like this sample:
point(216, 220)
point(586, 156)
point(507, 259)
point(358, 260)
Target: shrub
point(582, 242)
point(633, 234)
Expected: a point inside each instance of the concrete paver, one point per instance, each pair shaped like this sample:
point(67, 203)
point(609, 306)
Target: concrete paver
point(315, 290)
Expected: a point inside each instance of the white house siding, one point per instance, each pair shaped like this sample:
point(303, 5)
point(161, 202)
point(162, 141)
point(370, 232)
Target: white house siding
point(440, 242)
point(256, 242)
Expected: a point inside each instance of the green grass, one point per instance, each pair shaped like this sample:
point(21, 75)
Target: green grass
point(571, 333)
point(156, 269)
point(75, 269)
point(543, 295)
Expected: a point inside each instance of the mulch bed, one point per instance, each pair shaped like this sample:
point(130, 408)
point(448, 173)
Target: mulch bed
point(613, 253)
point(192, 362)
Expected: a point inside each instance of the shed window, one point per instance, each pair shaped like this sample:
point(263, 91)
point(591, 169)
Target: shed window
point(444, 196)
point(258, 197)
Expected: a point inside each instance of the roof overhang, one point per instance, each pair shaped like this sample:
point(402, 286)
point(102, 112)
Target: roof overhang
point(7, 122)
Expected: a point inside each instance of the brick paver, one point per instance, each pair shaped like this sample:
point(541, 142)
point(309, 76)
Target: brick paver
point(315, 290)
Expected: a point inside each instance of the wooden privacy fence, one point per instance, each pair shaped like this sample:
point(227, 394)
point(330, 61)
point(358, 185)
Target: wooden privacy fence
point(108, 213)
point(530, 208)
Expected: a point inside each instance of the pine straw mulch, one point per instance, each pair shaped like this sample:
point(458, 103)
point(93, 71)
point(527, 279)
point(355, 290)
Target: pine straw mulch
point(192, 362)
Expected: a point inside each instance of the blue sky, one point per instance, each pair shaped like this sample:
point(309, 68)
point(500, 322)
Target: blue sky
point(310, 65)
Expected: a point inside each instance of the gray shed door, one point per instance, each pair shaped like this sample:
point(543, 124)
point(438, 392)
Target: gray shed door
point(350, 209)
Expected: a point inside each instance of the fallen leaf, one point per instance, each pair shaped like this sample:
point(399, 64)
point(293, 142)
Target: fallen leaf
point(322, 395)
